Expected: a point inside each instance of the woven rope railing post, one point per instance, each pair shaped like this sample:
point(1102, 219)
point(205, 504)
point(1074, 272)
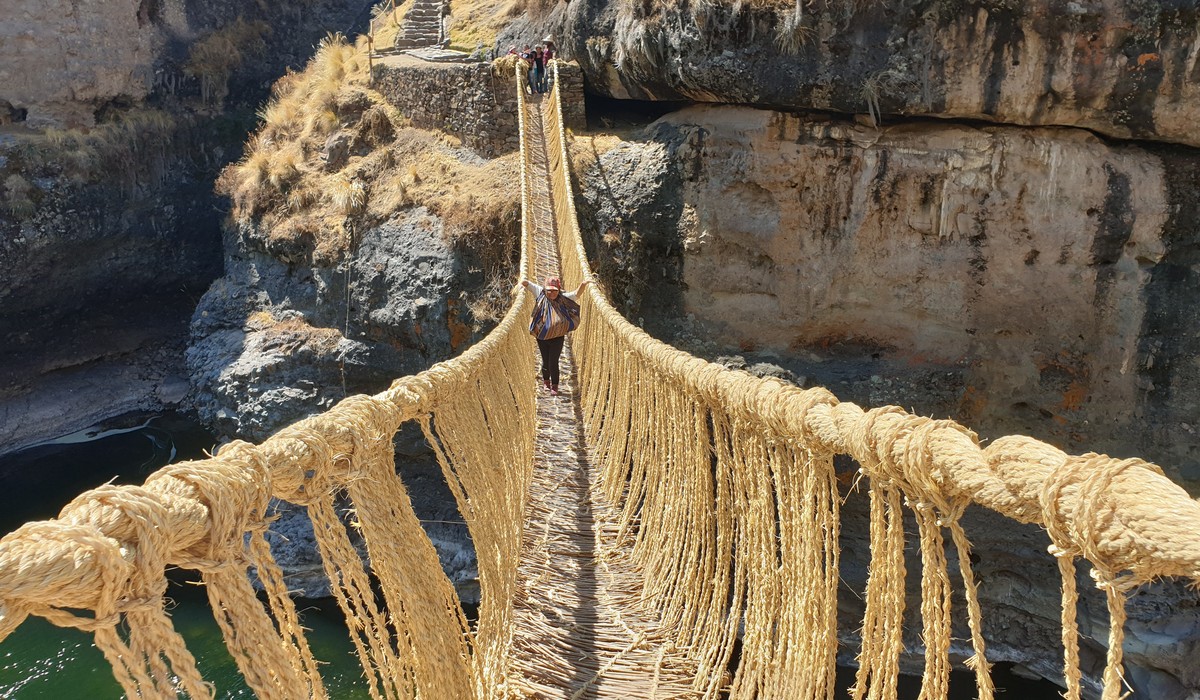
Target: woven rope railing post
point(275, 661)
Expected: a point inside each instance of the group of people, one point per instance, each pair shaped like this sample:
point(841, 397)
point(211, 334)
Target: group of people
point(537, 58)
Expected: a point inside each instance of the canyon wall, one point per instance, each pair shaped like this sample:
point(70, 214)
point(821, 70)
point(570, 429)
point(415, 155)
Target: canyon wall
point(60, 61)
point(1044, 270)
point(1124, 68)
point(1019, 280)
point(474, 101)
point(109, 229)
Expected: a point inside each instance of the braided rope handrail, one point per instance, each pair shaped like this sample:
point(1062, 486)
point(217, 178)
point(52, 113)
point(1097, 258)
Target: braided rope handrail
point(1125, 516)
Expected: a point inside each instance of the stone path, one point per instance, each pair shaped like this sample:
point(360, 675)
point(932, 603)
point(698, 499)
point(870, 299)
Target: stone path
point(422, 25)
point(438, 55)
point(579, 630)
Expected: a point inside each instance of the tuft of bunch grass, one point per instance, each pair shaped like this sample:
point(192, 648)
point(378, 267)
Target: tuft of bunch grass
point(214, 57)
point(299, 207)
point(348, 196)
point(133, 148)
point(284, 166)
point(18, 197)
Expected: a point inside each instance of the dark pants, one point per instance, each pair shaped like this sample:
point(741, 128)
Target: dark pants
point(551, 350)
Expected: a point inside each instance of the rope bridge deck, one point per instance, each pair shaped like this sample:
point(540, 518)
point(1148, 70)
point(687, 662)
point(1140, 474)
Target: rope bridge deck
point(581, 630)
point(660, 515)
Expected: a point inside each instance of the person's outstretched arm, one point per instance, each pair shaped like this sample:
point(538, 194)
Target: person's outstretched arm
point(575, 294)
point(533, 288)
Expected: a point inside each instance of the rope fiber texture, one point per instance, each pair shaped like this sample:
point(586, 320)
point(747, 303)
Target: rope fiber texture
point(715, 509)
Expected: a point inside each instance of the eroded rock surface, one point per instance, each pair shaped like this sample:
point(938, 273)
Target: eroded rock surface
point(1126, 68)
point(277, 341)
point(109, 233)
point(97, 281)
point(61, 63)
point(1041, 271)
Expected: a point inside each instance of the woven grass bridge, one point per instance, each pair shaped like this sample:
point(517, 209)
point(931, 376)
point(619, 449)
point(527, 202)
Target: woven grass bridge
point(667, 528)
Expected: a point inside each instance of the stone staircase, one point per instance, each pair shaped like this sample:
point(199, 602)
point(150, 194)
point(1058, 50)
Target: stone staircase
point(422, 26)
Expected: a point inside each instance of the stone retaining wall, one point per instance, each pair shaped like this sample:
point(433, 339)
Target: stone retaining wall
point(574, 111)
point(472, 101)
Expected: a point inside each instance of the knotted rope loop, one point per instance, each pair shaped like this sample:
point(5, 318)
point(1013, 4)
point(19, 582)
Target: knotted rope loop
point(136, 517)
point(410, 389)
point(236, 489)
point(299, 459)
point(1084, 484)
point(1098, 512)
point(801, 406)
point(69, 565)
point(921, 469)
point(410, 395)
point(98, 561)
point(870, 444)
point(1062, 544)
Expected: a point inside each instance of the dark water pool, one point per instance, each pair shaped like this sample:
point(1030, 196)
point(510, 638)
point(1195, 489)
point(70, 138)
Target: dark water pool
point(38, 481)
point(40, 660)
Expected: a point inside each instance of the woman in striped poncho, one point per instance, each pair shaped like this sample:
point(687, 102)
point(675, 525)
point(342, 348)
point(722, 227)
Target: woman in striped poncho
point(555, 313)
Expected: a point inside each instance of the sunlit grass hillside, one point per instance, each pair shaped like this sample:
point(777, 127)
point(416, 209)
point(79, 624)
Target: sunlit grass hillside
point(332, 157)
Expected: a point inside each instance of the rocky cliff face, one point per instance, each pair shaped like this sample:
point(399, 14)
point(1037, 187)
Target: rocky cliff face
point(99, 50)
point(276, 341)
point(1032, 267)
point(1123, 68)
point(1019, 280)
point(109, 230)
point(99, 276)
point(62, 63)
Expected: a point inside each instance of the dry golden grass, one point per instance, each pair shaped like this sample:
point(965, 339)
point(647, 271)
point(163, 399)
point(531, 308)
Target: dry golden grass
point(387, 21)
point(348, 195)
point(302, 207)
point(536, 8)
point(17, 197)
point(292, 333)
point(585, 150)
point(215, 57)
point(128, 148)
point(476, 23)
